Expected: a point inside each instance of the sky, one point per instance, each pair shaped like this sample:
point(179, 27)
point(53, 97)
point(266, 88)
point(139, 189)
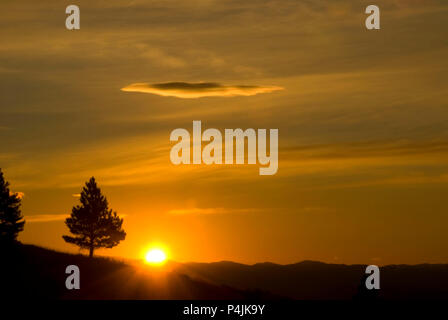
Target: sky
point(362, 118)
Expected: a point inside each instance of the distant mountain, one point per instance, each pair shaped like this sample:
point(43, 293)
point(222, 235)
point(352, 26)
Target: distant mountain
point(316, 280)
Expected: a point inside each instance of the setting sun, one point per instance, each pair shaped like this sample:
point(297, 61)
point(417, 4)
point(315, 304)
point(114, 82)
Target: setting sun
point(155, 256)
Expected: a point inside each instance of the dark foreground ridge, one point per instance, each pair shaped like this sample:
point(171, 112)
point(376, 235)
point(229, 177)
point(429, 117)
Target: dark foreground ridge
point(31, 272)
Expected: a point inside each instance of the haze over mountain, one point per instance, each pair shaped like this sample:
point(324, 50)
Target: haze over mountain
point(317, 280)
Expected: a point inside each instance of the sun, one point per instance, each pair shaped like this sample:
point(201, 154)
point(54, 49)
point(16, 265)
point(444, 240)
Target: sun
point(155, 256)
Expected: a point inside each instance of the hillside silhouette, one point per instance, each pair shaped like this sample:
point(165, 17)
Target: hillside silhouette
point(31, 272)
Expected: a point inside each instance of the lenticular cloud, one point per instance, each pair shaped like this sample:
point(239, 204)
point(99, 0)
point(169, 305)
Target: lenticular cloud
point(198, 90)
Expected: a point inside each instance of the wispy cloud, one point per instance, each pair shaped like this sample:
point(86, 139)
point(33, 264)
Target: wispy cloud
point(155, 54)
point(402, 149)
point(198, 90)
point(45, 217)
point(205, 211)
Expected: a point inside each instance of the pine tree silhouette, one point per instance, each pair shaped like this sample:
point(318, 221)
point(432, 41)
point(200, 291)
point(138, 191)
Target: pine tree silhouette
point(11, 220)
point(93, 223)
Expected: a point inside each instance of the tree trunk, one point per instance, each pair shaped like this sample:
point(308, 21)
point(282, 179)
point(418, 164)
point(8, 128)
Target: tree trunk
point(91, 252)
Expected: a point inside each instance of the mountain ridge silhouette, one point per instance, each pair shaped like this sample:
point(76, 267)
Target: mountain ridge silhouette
point(314, 280)
point(29, 271)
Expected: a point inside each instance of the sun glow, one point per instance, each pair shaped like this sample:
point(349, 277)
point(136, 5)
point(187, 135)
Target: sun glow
point(155, 256)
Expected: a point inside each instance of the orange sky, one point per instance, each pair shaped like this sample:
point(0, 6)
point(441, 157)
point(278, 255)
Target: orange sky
point(362, 118)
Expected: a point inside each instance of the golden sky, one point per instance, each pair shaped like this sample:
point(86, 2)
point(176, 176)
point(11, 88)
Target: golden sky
point(362, 118)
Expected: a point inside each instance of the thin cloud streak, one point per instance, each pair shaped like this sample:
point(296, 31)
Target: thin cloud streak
point(46, 218)
point(206, 211)
point(187, 90)
point(50, 217)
